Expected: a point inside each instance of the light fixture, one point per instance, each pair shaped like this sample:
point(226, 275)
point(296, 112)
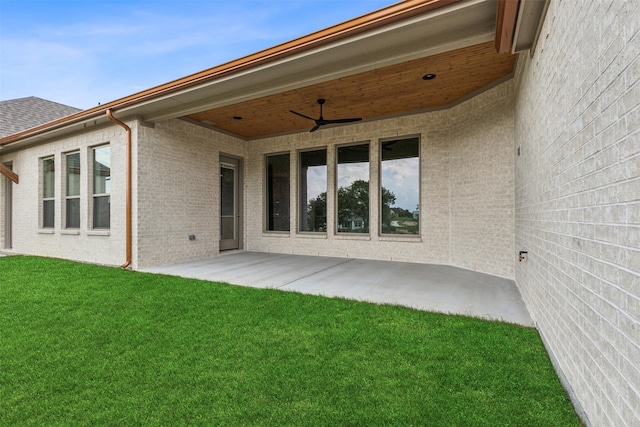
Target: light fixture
point(429, 76)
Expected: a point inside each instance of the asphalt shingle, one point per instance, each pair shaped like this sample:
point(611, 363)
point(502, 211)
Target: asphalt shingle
point(21, 114)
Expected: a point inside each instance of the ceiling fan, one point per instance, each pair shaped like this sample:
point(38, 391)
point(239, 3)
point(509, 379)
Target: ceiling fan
point(322, 121)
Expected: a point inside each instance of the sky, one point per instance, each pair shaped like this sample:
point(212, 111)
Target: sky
point(400, 176)
point(84, 52)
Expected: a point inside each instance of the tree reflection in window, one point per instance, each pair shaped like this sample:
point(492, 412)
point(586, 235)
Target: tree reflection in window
point(353, 189)
point(313, 191)
point(400, 177)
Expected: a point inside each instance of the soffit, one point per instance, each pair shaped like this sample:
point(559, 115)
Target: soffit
point(388, 91)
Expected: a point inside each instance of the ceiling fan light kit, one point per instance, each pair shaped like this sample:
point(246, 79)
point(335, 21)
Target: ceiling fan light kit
point(321, 121)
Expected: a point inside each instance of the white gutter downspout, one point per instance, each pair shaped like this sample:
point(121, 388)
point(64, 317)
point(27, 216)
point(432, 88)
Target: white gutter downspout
point(128, 214)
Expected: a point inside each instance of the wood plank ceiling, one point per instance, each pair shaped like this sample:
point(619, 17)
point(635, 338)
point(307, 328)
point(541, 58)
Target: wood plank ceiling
point(390, 91)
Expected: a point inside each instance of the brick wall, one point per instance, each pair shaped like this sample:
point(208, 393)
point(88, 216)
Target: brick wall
point(83, 244)
point(467, 200)
point(178, 191)
point(467, 205)
point(578, 200)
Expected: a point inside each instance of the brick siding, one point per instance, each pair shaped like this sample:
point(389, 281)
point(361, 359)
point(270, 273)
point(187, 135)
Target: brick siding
point(578, 200)
point(467, 200)
point(82, 244)
point(178, 191)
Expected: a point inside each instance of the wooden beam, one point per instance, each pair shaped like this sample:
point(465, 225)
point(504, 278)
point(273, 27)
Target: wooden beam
point(506, 16)
point(8, 173)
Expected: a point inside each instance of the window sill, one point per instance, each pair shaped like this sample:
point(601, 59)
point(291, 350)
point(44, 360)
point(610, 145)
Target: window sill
point(400, 238)
point(70, 232)
point(46, 231)
point(311, 235)
point(99, 233)
point(276, 234)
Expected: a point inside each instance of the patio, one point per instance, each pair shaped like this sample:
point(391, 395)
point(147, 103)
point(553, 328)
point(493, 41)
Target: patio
point(428, 287)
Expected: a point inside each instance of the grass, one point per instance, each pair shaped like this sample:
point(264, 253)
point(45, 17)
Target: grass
point(88, 345)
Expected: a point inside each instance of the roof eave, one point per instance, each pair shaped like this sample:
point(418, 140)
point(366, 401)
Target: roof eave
point(385, 16)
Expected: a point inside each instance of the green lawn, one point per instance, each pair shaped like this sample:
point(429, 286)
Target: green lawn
point(89, 345)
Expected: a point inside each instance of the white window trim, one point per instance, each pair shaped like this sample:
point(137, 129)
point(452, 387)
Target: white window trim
point(67, 197)
point(346, 234)
point(43, 199)
point(97, 230)
point(396, 237)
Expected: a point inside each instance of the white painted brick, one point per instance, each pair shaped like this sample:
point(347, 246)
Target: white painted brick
point(467, 187)
point(577, 198)
point(85, 245)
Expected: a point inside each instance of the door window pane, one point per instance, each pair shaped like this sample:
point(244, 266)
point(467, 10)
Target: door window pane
point(400, 186)
point(313, 191)
point(278, 178)
point(227, 203)
point(353, 189)
point(227, 228)
point(227, 191)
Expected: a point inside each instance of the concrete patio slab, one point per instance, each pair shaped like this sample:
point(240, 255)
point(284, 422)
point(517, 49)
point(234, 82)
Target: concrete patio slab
point(428, 287)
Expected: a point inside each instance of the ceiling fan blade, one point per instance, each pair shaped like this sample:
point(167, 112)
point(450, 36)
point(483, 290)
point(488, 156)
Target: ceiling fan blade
point(343, 120)
point(321, 121)
point(302, 115)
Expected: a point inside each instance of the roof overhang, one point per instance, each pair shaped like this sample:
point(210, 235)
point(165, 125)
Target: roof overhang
point(458, 25)
point(394, 35)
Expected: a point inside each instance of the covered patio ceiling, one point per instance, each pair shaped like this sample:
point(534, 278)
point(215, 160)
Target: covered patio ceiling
point(388, 91)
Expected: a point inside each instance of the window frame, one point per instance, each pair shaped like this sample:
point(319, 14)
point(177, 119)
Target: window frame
point(52, 198)
point(68, 197)
point(302, 204)
point(94, 195)
point(267, 204)
point(336, 179)
point(381, 143)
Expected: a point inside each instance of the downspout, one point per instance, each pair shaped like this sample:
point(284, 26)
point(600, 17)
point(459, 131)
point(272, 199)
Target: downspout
point(127, 263)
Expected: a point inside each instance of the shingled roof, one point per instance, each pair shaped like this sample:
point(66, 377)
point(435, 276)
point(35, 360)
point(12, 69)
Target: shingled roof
point(21, 114)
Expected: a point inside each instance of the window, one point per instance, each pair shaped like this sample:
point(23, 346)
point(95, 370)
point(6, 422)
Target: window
point(101, 187)
point(278, 177)
point(400, 186)
point(313, 191)
point(353, 189)
point(72, 203)
point(48, 192)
